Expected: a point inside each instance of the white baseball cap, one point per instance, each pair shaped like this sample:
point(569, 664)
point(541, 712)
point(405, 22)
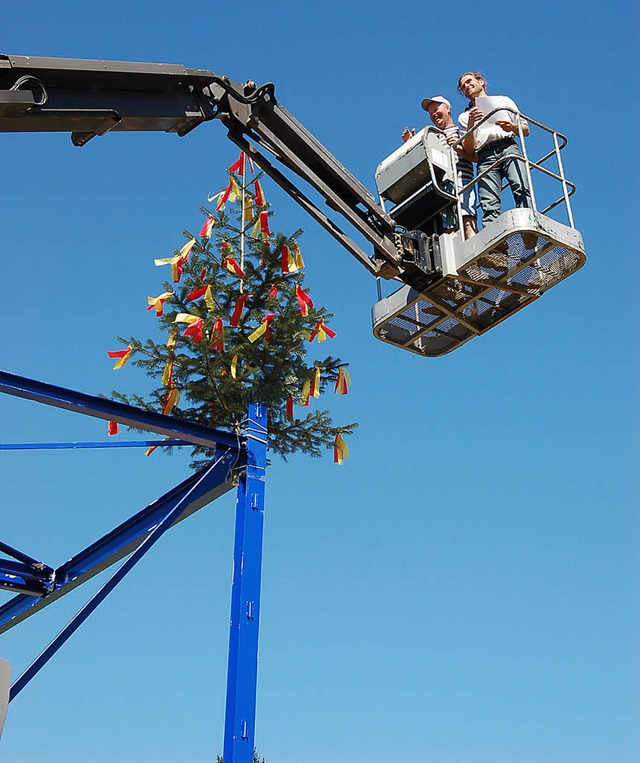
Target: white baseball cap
point(435, 99)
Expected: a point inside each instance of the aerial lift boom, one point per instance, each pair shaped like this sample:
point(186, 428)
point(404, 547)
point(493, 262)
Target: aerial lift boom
point(453, 289)
point(88, 98)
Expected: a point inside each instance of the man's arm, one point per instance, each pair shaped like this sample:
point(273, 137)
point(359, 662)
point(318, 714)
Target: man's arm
point(509, 126)
point(473, 117)
point(459, 149)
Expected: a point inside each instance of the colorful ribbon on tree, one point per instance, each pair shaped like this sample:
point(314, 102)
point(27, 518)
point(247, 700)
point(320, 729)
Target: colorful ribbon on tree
point(304, 395)
point(205, 231)
point(204, 291)
point(291, 261)
point(229, 262)
point(263, 328)
point(194, 328)
point(177, 261)
point(195, 294)
point(238, 165)
point(321, 331)
point(340, 450)
point(217, 335)
point(172, 398)
point(259, 195)
point(314, 389)
point(231, 193)
point(158, 302)
point(304, 300)
point(342, 382)
point(232, 267)
point(122, 355)
point(264, 226)
point(172, 338)
point(167, 374)
point(237, 310)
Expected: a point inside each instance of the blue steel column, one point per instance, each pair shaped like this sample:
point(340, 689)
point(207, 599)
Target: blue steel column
point(239, 729)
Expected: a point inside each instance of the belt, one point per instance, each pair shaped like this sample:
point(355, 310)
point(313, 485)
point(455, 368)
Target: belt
point(497, 144)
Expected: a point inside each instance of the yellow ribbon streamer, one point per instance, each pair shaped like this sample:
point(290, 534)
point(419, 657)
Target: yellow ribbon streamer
point(340, 450)
point(173, 336)
point(166, 374)
point(255, 335)
point(208, 298)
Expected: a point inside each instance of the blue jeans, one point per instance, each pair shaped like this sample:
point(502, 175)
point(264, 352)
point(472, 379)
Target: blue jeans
point(512, 170)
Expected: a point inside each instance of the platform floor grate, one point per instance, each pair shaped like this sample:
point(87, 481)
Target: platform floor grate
point(514, 272)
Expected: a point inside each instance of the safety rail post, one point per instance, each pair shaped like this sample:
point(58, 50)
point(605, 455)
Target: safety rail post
point(527, 164)
point(242, 675)
point(564, 180)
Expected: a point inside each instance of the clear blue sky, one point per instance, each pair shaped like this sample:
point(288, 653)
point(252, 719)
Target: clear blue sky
point(464, 589)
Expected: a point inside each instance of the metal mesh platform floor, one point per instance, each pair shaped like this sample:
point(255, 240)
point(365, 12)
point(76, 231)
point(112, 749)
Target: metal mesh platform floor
point(511, 273)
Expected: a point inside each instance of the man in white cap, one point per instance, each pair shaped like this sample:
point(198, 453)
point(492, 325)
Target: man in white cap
point(439, 110)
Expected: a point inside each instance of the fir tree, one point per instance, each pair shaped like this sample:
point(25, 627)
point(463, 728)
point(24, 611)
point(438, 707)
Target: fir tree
point(239, 325)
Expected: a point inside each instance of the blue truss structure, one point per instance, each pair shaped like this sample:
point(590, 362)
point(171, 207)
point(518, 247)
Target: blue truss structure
point(239, 461)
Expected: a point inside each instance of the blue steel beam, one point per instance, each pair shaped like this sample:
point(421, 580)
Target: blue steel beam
point(128, 536)
point(17, 576)
point(240, 714)
point(5, 548)
point(110, 410)
point(167, 443)
point(204, 477)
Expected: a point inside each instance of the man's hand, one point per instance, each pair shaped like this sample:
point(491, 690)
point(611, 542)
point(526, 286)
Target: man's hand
point(475, 115)
point(407, 134)
point(506, 125)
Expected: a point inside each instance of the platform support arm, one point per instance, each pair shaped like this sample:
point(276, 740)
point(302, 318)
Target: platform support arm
point(239, 730)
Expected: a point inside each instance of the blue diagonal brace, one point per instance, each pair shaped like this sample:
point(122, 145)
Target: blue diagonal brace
point(127, 537)
point(129, 415)
point(239, 730)
point(17, 576)
point(202, 478)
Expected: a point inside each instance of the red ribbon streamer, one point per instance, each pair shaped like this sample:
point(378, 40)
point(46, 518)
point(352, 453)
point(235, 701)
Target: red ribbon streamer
point(217, 335)
point(259, 195)
point(264, 225)
point(304, 300)
point(237, 310)
point(195, 294)
point(320, 326)
point(194, 330)
point(205, 231)
point(232, 266)
point(238, 166)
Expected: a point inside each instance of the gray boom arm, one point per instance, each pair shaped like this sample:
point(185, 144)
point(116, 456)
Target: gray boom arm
point(89, 98)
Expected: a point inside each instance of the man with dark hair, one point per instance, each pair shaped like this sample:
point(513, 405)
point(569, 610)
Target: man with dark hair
point(494, 141)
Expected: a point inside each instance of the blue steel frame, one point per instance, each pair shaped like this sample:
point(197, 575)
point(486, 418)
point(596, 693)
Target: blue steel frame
point(238, 460)
point(242, 676)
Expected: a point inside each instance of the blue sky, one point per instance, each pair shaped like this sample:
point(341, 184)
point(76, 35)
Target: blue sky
point(464, 588)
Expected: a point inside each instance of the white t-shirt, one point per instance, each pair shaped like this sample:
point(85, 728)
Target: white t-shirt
point(489, 132)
